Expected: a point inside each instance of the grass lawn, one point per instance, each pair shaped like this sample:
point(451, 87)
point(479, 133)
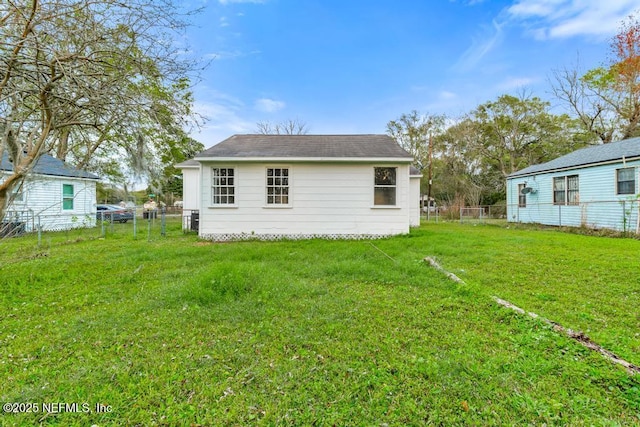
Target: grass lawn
point(176, 331)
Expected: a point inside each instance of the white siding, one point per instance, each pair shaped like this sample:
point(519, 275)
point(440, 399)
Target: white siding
point(414, 202)
point(325, 200)
point(599, 207)
point(191, 188)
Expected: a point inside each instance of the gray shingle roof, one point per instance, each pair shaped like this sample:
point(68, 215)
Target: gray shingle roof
point(628, 149)
point(188, 164)
point(48, 165)
point(307, 147)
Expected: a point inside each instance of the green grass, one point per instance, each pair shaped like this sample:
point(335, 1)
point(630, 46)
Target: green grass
point(175, 331)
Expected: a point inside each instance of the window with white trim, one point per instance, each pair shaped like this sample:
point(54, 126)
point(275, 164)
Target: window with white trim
point(522, 197)
point(67, 197)
point(566, 190)
point(384, 186)
point(625, 181)
point(223, 186)
point(278, 186)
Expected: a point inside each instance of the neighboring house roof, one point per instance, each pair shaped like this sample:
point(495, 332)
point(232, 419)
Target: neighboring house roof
point(307, 147)
point(614, 151)
point(48, 165)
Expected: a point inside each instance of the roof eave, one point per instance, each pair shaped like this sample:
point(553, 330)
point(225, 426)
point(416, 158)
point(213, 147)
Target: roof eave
point(568, 168)
point(93, 178)
point(307, 159)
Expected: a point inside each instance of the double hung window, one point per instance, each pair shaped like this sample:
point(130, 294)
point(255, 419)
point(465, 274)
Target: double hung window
point(522, 198)
point(223, 190)
point(384, 186)
point(278, 185)
point(566, 190)
point(625, 181)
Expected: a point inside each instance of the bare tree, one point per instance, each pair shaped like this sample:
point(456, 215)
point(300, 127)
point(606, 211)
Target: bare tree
point(606, 99)
point(589, 104)
point(84, 79)
point(287, 127)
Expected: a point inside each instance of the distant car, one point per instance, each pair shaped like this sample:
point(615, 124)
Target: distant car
point(113, 213)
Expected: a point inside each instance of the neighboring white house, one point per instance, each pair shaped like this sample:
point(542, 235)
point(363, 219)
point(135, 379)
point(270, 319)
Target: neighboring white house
point(54, 196)
point(303, 186)
point(594, 187)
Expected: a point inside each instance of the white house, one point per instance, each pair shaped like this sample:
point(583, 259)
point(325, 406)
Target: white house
point(303, 186)
point(53, 196)
point(595, 187)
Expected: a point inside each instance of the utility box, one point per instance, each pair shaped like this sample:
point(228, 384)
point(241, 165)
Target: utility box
point(195, 221)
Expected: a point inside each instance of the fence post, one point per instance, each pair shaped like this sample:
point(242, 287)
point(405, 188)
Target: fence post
point(39, 232)
point(560, 215)
point(637, 216)
point(163, 222)
point(135, 223)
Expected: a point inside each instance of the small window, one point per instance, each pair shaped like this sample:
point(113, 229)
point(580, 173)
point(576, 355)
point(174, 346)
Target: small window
point(559, 191)
point(625, 181)
point(277, 186)
point(566, 190)
point(384, 187)
point(67, 197)
point(522, 198)
point(573, 190)
point(223, 190)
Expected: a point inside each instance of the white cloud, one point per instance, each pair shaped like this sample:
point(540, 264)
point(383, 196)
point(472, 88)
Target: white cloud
point(480, 47)
point(513, 83)
point(548, 19)
point(268, 105)
point(446, 95)
point(222, 115)
point(228, 54)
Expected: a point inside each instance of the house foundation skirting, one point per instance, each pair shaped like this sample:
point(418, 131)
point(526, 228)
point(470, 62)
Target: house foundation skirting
point(233, 237)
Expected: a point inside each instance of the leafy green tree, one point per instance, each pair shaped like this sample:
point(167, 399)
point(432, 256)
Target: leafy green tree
point(516, 132)
point(498, 138)
point(415, 132)
point(100, 84)
point(457, 165)
point(412, 132)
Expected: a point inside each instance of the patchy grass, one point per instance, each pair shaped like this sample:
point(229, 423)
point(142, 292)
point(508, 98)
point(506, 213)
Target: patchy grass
point(174, 331)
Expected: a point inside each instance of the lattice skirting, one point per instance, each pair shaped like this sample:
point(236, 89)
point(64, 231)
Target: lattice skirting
point(232, 237)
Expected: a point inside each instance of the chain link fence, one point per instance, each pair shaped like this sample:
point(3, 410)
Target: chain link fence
point(464, 214)
point(618, 215)
point(140, 224)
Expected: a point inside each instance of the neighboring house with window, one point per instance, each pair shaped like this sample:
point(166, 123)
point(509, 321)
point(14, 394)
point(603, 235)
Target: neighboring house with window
point(53, 196)
point(302, 186)
point(594, 187)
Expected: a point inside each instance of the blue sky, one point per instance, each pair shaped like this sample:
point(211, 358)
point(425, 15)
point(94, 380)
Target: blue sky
point(350, 66)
